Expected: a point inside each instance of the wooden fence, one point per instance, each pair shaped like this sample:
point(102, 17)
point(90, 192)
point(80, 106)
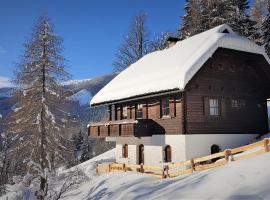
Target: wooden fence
point(196, 164)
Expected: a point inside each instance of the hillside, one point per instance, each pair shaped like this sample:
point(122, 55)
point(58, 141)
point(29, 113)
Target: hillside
point(247, 179)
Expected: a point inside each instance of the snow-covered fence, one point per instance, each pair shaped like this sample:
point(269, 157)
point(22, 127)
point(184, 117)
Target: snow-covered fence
point(196, 164)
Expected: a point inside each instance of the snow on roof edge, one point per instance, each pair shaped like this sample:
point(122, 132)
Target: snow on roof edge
point(209, 42)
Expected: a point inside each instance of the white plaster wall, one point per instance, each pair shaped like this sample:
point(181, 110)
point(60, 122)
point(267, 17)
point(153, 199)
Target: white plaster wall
point(200, 145)
point(178, 145)
point(153, 155)
point(153, 148)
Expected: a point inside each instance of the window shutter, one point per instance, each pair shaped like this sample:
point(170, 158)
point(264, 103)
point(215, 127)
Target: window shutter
point(128, 112)
point(223, 107)
point(158, 109)
point(113, 110)
point(206, 106)
point(145, 111)
point(172, 107)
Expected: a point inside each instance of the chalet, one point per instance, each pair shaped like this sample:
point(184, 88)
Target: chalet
point(202, 95)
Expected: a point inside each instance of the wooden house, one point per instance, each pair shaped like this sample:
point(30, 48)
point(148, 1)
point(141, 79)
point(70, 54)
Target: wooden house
point(202, 95)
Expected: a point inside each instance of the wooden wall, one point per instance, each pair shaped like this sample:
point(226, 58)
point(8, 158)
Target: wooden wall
point(229, 75)
point(172, 124)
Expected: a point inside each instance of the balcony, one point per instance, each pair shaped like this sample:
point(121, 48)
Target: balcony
point(125, 128)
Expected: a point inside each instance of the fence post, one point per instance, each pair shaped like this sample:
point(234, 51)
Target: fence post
point(141, 168)
point(227, 153)
point(192, 165)
point(96, 168)
point(265, 144)
point(167, 171)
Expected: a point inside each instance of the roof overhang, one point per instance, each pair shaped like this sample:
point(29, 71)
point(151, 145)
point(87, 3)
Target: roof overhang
point(139, 97)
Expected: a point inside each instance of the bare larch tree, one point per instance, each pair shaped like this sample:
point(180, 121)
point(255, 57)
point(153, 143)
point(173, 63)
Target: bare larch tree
point(135, 44)
point(38, 126)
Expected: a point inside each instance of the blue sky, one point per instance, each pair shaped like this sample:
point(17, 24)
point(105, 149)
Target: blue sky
point(92, 29)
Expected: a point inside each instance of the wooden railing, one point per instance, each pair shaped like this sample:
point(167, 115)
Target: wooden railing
point(196, 164)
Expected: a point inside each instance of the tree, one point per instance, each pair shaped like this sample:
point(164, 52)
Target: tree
point(192, 19)
point(160, 41)
point(241, 22)
point(266, 32)
point(135, 44)
point(39, 124)
point(258, 14)
point(202, 15)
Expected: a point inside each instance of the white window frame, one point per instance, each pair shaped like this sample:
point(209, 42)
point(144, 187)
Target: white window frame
point(214, 107)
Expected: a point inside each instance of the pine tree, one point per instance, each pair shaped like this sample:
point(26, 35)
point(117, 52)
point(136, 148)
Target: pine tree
point(240, 20)
point(39, 124)
point(266, 32)
point(258, 14)
point(135, 44)
point(211, 13)
point(192, 19)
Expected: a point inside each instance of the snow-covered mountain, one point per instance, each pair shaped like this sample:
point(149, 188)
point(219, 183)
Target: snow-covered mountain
point(83, 97)
point(5, 82)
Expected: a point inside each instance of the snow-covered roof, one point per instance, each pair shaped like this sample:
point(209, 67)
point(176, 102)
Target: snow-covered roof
point(174, 67)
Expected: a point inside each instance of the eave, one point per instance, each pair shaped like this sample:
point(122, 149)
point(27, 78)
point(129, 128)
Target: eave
point(139, 97)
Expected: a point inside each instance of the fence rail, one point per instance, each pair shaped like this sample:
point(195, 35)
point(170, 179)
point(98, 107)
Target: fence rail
point(189, 166)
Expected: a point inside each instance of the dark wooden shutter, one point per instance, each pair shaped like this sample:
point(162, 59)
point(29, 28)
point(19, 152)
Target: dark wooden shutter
point(145, 110)
point(172, 107)
point(206, 106)
point(223, 107)
point(113, 112)
point(158, 108)
point(129, 112)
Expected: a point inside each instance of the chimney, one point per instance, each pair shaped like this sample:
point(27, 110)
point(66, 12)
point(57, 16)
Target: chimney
point(171, 41)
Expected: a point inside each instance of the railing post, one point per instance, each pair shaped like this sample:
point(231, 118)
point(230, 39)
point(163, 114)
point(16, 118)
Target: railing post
point(227, 153)
point(124, 167)
point(265, 144)
point(141, 168)
point(96, 168)
point(192, 165)
point(167, 175)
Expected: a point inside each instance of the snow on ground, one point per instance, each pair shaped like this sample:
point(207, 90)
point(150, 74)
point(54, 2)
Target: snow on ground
point(5, 82)
point(246, 179)
point(83, 97)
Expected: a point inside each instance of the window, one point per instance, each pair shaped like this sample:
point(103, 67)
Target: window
point(165, 107)
point(168, 154)
point(124, 112)
point(125, 151)
point(139, 111)
point(214, 107)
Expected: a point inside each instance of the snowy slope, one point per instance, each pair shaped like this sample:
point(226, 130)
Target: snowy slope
point(247, 179)
point(83, 97)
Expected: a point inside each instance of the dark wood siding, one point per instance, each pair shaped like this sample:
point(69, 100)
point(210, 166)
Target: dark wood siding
point(228, 75)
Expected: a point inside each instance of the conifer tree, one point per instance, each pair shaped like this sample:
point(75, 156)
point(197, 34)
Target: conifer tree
point(266, 32)
point(39, 124)
point(258, 14)
point(241, 21)
point(192, 19)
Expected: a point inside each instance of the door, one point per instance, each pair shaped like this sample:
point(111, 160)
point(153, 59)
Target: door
point(141, 154)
